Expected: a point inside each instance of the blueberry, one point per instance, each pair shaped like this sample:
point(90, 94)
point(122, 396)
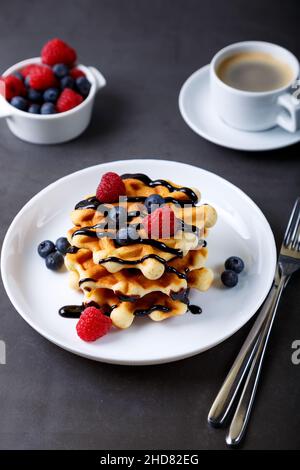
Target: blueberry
point(154, 200)
point(67, 82)
point(118, 216)
point(45, 248)
point(60, 70)
point(27, 81)
point(62, 245)
point(34, 95)
point(126, 235)
point(235, 263)
point(83, 85)
point(18, 75)
point(19, 102)
point(54, 261)
point(229, 278)
point(34, 108)
point(48, 108)
point(51, 95)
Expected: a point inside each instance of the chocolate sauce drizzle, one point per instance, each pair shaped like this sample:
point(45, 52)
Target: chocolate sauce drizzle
point(74, 311)
point(89, 203)
point(160, 182)
point(93, 203)
point(73, 249)
point(168, 268)
point(71, 311)
point(86, 279)
point(87, 231)
point(147, 311)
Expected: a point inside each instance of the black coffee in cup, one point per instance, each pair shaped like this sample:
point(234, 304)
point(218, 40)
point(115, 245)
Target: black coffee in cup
point(254, 71)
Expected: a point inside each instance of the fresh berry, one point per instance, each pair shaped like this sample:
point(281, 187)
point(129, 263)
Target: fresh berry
point(12, 86)
point(234, 263)
point(51, 95)
point(127, 235)
point(34, 108)
point(75, 73)
point(229, 278)
point(42, 78)
point(161, 223)
point(25, 71)
point(18, 75)
point(48, 108)
point(60, 70)
point(19, 102)
point(45, 248)
point(62, 245)
point(83, 85)
point(111, 187)
point(27, 81)
point(57, 51)
point(92, 324)
point(153, 202)
point(118, 216)
point(68, 99)
point(54, 261)
point(67, 82)
point(34, 95)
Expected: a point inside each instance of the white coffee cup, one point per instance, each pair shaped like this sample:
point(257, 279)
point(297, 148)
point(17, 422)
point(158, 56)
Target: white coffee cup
point(252, 110)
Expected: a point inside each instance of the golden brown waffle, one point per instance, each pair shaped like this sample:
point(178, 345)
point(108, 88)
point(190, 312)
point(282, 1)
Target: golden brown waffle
point(148, 277)
point(123, 313)
point(90, 233)
point(87, 275)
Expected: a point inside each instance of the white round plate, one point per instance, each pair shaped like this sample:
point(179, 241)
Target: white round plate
point(196, 110)
point(38, 293)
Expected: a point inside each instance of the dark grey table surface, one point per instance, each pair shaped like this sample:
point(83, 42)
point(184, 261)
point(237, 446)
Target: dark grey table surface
point(50, 398)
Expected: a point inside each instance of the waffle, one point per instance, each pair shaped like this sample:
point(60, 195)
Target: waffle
point(123, 313)
point(147, 277)
point(90, 225)
point(87, 275)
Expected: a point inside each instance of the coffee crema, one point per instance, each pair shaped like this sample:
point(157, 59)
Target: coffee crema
point(254, 71)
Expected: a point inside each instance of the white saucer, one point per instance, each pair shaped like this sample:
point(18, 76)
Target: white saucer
point(194, 105)
point(38, 293)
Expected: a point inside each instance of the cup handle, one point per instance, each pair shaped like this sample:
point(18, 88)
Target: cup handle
point(5, 109)
point(100, 80)
point(289, 116)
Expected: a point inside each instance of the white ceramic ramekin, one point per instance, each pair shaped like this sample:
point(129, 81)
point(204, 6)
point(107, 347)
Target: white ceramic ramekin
point(51, 128)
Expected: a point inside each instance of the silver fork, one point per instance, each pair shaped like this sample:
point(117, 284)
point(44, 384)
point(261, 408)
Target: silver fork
point(250, 358)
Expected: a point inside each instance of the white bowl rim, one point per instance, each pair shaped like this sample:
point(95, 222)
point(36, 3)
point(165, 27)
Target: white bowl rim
point(37, 60)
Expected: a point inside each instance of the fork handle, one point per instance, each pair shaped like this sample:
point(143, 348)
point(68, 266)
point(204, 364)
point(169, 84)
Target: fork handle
point(229, 389)
point(242, 413)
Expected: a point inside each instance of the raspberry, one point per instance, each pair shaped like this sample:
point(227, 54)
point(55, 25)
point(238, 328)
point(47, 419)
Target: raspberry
point(75, 73)
point(161, 223)
point(110, 188)
point(57, 51)
point(28, 69)
point(93, 324)
point(42, 77)
point(12, 86)
point(68, 100)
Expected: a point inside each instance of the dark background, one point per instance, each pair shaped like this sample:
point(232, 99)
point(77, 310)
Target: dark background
point(50, 398)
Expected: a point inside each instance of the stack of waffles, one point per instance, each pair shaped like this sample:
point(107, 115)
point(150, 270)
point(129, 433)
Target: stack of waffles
point(144, 276)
